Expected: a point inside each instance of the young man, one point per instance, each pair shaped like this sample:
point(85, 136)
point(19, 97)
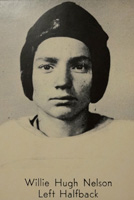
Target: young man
point(64, 66)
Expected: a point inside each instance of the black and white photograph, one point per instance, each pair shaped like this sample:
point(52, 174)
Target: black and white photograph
point(67, 100)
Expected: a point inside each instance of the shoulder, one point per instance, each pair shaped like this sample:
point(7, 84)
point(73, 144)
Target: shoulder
point(113, 140)
point(122, 133)
point(107, 124)
point(112, 133)
point(15, 128)
point(11, 125)
point(119, 135)
point(14, 136)
point(122, 127)
point(8, 126)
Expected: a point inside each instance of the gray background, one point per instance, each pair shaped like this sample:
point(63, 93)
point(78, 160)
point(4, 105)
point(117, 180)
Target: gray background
point(116, 18)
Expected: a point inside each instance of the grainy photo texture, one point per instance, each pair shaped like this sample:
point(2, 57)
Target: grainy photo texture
point(66, 100)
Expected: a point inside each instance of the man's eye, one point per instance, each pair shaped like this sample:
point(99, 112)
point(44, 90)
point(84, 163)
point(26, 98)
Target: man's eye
point(80, 68)
point(47, 67)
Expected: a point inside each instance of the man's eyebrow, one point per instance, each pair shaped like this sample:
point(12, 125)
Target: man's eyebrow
point(48, 59)
point(71, 60)
point(79, 58)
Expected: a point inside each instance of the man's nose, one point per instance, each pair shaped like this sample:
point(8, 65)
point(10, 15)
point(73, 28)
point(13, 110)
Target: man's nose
point(64, 79)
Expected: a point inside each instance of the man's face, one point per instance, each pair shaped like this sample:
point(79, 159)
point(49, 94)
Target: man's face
point(62, 77)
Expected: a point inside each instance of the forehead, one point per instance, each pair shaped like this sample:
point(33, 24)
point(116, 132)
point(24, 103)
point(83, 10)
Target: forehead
point(62, 47)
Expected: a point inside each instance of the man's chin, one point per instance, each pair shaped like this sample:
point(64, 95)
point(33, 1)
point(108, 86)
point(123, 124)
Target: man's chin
point(62, 113)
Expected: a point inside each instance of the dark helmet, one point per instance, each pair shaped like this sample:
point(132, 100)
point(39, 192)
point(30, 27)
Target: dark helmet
point(68, 20)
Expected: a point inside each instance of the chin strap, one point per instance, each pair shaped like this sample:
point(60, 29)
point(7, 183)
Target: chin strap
point(35, 122)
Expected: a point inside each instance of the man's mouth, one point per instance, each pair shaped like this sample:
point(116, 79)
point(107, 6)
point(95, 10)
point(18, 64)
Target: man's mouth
point(64, 100)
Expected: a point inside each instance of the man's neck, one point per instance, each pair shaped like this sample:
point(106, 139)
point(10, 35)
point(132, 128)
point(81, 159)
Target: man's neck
point(54, 127)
